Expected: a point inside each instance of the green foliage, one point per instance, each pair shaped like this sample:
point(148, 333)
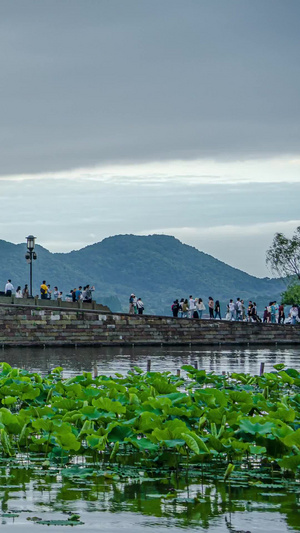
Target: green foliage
point(291, 295)
point(283, 256)
point(204, 417)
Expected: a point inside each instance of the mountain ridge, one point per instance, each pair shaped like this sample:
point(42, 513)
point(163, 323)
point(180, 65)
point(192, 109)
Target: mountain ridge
point(157, 268)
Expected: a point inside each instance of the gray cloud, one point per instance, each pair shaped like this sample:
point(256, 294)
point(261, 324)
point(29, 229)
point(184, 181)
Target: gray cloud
point(84, 83)
point(233, 222)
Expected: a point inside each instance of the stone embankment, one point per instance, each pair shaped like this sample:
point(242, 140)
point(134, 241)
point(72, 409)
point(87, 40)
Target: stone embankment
point(23, 325)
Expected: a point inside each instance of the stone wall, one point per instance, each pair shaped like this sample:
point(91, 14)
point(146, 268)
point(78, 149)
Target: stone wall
point(23, 325)
point(37, 302)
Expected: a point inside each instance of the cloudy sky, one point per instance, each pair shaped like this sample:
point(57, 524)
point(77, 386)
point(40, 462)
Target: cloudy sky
point(148, 116)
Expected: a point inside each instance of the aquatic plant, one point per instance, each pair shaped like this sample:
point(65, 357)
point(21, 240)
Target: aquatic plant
point(155, 417)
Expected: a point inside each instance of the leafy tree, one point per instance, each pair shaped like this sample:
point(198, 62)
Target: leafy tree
point(291, 295)
point(283, 256)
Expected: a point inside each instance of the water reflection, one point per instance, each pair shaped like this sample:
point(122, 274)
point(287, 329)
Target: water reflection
point(121, 359)
point(30, 494)
point(131, 505)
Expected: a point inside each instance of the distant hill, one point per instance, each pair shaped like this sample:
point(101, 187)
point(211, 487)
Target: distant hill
point(157, 268)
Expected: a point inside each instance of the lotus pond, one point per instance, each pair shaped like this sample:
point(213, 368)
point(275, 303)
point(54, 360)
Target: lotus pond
point(150, 449)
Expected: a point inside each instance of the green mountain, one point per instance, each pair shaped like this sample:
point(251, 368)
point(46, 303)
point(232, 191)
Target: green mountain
point(157, 268)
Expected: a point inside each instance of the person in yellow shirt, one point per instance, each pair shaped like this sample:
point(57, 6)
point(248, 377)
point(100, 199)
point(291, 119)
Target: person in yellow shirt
point(43, 290)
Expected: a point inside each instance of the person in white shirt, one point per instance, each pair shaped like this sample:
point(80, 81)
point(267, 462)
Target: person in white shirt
point(276, 311)
point(294, 314)
point(192, 307)
point(231, 309)
point(9, 288)
point(135, 305)
point(239, 309)
point(19, 292)
point(68, 297)
point(200, 307)
point(49, 293)
point(140, 306)
point(55, 293)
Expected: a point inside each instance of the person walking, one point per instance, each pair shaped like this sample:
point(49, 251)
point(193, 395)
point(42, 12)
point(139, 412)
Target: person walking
point(69, 296)
point(55, 293)
point(140, 306)
point(88, 293)
point(211, 307)
point(175, 308)
point(9, 288)
point(254, 315)
point(131, 304)
point(192, 306)
point(217, 310)
point(294, 314)
point(281, 315)
point(227, 316)
point(185, 308)
point(25, 292)
point(78, 293)
point(249, 311)
point(200, 307)
point(238, 309)
point(243, 314)
point(276, 311)
point(231, 310)
point(180, 311)
point(273, 312)
point(43, 290)
point(19, 292)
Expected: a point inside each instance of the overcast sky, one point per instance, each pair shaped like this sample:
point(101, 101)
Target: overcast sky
point(148, 116)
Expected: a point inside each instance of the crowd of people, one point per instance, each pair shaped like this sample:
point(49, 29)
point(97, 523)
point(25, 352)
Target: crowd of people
point(136, 306)
point(185, 308)
point(9, 290)
point(46, 293)
point(235, 310)
point(74, 295)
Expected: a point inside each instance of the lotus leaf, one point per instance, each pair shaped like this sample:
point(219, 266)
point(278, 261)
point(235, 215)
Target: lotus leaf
point(293, 439)
point(247, 426)
point(142, 443)
point(9, 400)
point(257, 450)
point(119, 433)
point(191, 442)
point(109, 405)
point(97, 442)
point(163, 387)
point(90, 413)
point(290, 463)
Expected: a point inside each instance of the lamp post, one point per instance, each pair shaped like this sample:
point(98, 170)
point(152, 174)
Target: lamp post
point(30, 256)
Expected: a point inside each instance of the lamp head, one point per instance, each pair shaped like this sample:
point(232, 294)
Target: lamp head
point(30, 242)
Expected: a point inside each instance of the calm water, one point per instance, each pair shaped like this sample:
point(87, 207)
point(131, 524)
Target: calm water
point(118, 359)
point(133, 505)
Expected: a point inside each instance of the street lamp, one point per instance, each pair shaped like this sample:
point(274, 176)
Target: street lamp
point(30, 256)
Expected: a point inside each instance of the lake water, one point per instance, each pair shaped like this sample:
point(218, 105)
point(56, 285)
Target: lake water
point(121, 359)
point(134, 505)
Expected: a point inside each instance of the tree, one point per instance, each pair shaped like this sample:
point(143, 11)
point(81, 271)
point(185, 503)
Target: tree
point(283, 257)
point(291, 295)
